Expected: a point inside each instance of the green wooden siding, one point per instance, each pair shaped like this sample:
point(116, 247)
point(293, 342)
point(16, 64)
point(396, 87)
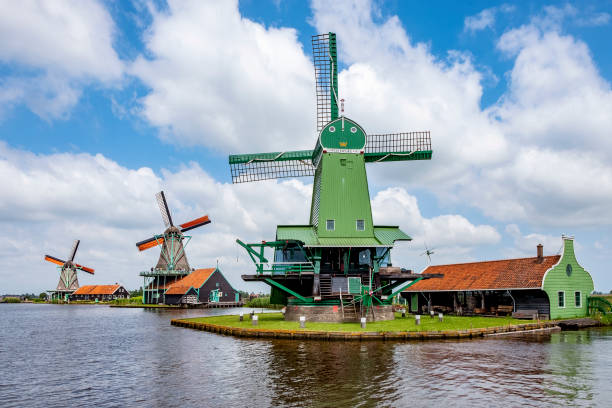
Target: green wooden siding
point(344, 196)
point(414, 302)
point(557, 280)
point(343, 134)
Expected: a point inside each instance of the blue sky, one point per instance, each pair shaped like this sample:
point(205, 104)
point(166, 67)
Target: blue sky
point(102, 104)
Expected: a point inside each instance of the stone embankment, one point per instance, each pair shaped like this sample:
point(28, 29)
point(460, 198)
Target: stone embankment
point(363, 336)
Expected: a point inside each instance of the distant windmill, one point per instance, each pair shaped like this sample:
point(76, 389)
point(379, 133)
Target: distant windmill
point(68, 281)
point(172, 263)
point(428, 252)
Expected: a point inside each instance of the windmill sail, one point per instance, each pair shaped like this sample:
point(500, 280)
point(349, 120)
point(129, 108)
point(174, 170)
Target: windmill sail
point(75, 246)
point(326, 77)
point(163, 207)
point(398, 147)
point(265, 166)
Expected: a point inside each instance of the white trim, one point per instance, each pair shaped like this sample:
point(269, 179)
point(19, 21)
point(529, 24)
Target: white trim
point(326, 226)
point(564, 299)
point(563, 238)
point(576, 306)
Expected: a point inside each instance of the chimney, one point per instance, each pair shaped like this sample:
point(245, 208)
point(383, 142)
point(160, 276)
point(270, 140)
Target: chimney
point(540, 253)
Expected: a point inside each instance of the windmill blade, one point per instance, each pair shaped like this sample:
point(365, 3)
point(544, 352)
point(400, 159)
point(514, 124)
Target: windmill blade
point(325, 61)
point(75, 246)
point(198, 222)
point(163, 207)
point(265, 166)
point(149, 243)
point(54, 260)
point(84, 268)
point(398, 147)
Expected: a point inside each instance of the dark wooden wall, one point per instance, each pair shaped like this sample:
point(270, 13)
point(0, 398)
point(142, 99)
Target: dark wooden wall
point(217, 281)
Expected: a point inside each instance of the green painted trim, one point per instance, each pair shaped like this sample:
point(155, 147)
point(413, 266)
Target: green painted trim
point(334, 75)
point(272, 156)
point(398, 156)
point(286, 289)
point(406, 286)
point(251, 250)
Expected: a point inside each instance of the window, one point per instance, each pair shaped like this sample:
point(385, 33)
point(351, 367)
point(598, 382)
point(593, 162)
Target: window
point(568, 270)
point(561, 296)
point(578, 299)
point(331, 225)
point(217, 284)
point(360, 225)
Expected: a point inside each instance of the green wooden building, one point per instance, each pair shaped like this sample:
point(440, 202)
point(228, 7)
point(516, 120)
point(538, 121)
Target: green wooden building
point(554, 286)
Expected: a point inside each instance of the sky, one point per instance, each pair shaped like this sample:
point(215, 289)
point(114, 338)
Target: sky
point(105, 103)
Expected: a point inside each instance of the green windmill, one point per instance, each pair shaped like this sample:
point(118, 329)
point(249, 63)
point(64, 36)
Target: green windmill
point(339, 261)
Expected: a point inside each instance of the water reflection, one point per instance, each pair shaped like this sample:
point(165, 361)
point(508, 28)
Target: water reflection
point(91, 355)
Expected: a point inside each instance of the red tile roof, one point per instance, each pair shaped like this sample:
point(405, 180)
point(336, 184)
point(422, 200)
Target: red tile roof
point(177, 290)
point(196, 279)
point(523, 273)
point(96, 290)
point(169, 281)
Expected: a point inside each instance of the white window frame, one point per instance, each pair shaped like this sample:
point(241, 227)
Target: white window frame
point(333, 225)
point(357, 225)
point(579, 297)
point(564, 300)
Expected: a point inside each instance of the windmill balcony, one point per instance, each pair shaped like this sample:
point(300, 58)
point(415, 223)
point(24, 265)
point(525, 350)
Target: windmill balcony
point(164, 272)
point(285, 268)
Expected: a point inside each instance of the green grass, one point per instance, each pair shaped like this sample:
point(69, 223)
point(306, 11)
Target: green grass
point(275, 321)
point(137, 300)
point(11, 300)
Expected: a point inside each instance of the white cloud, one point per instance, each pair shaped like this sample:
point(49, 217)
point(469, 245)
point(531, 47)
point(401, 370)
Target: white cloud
point(50, 200)
point(223, 81)
point(59, 47)
point(541, 154)
point(485, 19)
point(452, 237)
point(593, 20)
point(526, 245)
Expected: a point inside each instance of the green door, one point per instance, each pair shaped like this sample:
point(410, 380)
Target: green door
point(237, 297)
point(214, 295)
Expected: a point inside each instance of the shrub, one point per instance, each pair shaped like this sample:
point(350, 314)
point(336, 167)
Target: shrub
point(11, 300)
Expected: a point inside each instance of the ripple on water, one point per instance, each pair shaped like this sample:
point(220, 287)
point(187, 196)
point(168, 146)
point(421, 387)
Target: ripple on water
point(53, 355)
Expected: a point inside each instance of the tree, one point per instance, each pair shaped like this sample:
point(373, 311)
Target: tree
point(136, 292)
point(42, 296)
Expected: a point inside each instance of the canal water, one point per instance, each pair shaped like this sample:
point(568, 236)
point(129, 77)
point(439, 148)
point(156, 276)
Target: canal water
point(91, 355)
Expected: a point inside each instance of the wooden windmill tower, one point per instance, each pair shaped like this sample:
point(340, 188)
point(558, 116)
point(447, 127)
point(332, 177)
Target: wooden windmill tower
point(339, 259)
point(172, 263)
point(68, 281)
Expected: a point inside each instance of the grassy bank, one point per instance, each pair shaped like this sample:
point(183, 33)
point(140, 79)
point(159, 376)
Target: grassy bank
point(11, 300)
point(274, 321)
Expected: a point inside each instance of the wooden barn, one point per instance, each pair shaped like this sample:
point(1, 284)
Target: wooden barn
point(202, 286)
point(552, 287)
point(100, 292)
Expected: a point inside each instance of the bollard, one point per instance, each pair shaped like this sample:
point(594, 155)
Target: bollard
point(302, 322)
point(363, 322)
point(403, 312)
point(440, 316)
point(241, 316)
point(417, 320)
point(431, 313)
point(255, 320)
